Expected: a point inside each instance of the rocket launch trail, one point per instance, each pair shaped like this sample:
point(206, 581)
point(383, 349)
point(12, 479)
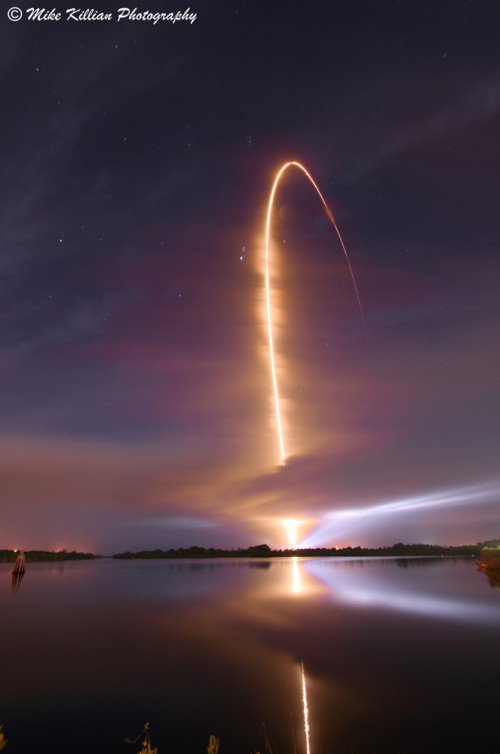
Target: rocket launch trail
point(272, 360)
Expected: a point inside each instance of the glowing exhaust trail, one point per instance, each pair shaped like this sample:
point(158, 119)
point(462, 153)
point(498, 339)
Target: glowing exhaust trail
point(268, 287)
point(291, 526)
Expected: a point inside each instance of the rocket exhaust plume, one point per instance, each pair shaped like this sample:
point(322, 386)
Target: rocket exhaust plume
point(268, 288)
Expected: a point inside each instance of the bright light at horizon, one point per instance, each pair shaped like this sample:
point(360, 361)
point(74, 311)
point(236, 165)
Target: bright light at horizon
point(291, 526)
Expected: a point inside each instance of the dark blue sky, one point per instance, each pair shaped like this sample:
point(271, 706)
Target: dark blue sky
point(137, 160)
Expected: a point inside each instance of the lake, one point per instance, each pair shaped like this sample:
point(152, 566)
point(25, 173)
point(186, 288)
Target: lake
point(387, 656)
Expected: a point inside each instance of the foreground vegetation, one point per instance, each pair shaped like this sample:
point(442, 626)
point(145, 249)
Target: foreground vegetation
point(144, 740)
point(489, 562)
point(264, 551)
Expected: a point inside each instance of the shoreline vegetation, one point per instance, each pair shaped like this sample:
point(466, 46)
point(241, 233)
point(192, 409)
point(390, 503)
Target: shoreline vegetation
point(45, 556)
point(487, 553)
point(489, 562)
point(264, 551)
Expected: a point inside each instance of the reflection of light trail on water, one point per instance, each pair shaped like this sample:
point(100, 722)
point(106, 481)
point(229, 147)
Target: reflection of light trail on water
point(375, 585)
point(268, 287)
point(306, 710)
point(296, 576)
point(343, 521)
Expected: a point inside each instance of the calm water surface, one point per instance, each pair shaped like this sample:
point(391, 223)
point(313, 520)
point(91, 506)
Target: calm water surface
point(394, 656)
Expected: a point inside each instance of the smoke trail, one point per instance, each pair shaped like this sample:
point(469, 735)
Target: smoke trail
point(268, 287)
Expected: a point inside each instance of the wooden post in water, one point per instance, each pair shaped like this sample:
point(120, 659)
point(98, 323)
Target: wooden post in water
point(19, 565)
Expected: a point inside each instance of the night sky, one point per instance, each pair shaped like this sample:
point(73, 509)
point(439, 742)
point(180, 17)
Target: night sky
point(137, 160)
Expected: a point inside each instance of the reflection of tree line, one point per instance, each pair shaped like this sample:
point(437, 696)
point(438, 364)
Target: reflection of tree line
point(405, 562)
point(207, 564)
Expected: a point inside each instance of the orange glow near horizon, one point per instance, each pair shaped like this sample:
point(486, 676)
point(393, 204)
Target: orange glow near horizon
point(291, 527)
point(272, 359)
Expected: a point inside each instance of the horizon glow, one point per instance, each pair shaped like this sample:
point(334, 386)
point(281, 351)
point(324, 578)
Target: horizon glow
point(291, 526)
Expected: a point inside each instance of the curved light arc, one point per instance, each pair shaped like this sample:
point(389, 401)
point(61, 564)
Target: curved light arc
point(268, 287)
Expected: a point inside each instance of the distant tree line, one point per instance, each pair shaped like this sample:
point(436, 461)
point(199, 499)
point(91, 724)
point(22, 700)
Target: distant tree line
point(37, 556)
point(488, 551)
point(257, 551)
point(264, 551)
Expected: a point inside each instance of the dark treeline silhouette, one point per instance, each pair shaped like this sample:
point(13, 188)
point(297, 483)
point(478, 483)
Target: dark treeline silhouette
point(264, 551)
point(484, 550)
point(36, 556)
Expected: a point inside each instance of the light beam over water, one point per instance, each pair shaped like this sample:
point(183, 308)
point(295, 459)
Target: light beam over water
point(348, 521)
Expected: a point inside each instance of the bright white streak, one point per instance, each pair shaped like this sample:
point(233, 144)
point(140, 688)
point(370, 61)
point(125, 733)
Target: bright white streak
point(306, 710)
point(268, 287)
point(459, 496)
point(291, 528)
point(453, 497)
